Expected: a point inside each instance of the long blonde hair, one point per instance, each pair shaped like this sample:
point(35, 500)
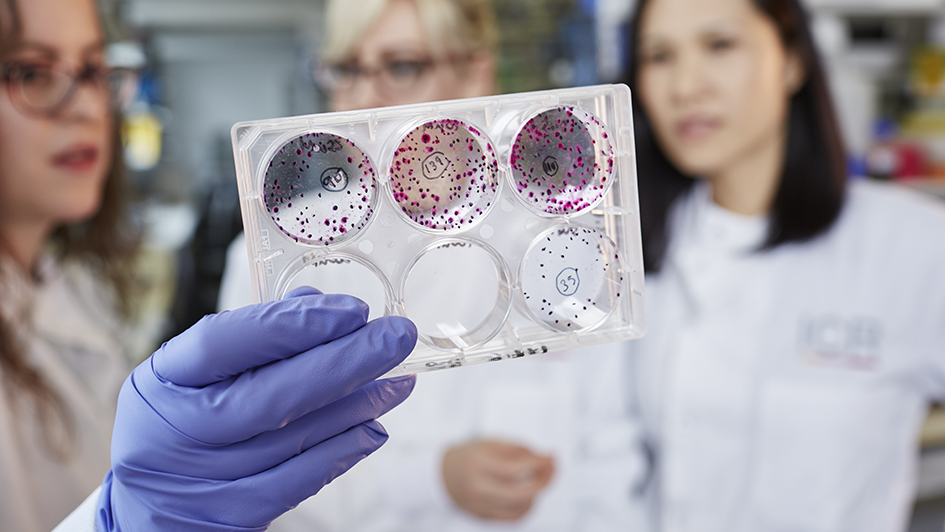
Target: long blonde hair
point(453, 27)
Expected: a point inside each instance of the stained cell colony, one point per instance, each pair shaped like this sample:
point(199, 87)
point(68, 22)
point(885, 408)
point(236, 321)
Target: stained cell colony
point(571, 278)
point(562, 161)
point(444, 175)
point(320, 189)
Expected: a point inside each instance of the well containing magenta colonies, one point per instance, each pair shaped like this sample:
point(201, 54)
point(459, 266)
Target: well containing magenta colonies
point(571, 278)
point(444, 175)
point(320, 189)
point(562, 161)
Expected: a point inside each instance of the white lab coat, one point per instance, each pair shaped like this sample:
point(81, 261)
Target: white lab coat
point(72, 339)
point(571, 405)
point(784, 390)
point(566, 404)
point(779, 391)
point(236, 286)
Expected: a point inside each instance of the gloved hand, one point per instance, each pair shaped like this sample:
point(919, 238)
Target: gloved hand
point(248, 413)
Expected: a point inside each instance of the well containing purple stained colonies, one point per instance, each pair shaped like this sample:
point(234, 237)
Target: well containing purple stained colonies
point(562, 161)
point(571, 278)
point(320, 189)
point(444, 175)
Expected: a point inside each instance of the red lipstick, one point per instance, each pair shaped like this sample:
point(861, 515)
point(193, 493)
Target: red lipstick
point(79, 157)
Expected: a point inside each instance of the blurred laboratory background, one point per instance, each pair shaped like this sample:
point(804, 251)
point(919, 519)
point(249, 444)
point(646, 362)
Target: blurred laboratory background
point(207, 64)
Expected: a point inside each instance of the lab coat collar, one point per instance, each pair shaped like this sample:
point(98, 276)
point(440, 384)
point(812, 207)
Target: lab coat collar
point(703, 224)
point(711, 248)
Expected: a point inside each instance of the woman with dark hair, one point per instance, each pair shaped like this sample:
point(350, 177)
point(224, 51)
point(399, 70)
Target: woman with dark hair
point(211, 432)
point(796, 319)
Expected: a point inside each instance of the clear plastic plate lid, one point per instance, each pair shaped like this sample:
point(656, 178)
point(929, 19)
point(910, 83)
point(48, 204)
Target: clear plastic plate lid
point(503, 226)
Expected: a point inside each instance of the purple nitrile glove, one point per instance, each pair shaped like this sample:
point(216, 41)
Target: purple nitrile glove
point(249, 412)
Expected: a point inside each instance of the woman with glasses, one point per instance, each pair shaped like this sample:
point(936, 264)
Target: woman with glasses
point(206, 437)
point(407, 51)
point(390, 52)
point(63, 259)
point(528, 445)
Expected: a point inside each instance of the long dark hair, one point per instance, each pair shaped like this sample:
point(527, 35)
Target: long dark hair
point(103, 243)
point(812, 185)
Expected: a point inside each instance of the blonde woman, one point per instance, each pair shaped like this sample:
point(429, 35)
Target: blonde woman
point(391, 52)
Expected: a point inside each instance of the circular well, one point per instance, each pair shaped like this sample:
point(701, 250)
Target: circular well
point(444, 175)
point(458, 294)
point(339, 273)
point(571, 278)
point(562, 161)
point(320, 189)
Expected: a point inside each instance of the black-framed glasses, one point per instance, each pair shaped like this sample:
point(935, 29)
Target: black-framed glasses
point(394, 76)
point(43, 90)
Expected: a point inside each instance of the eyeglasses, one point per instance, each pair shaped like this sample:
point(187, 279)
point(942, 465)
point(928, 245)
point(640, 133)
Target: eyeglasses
point(395, 77)
point(41, 90)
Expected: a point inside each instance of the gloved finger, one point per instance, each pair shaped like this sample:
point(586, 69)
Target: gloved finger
point(251, 502)
point(256, 500)
point(271, 396)
point(222, 345)
point(269, 449)
point(304, 475)
point(302, 291)
point(182, 455)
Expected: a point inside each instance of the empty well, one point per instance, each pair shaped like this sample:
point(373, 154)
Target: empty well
point(340, 273)
point(457, 292)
